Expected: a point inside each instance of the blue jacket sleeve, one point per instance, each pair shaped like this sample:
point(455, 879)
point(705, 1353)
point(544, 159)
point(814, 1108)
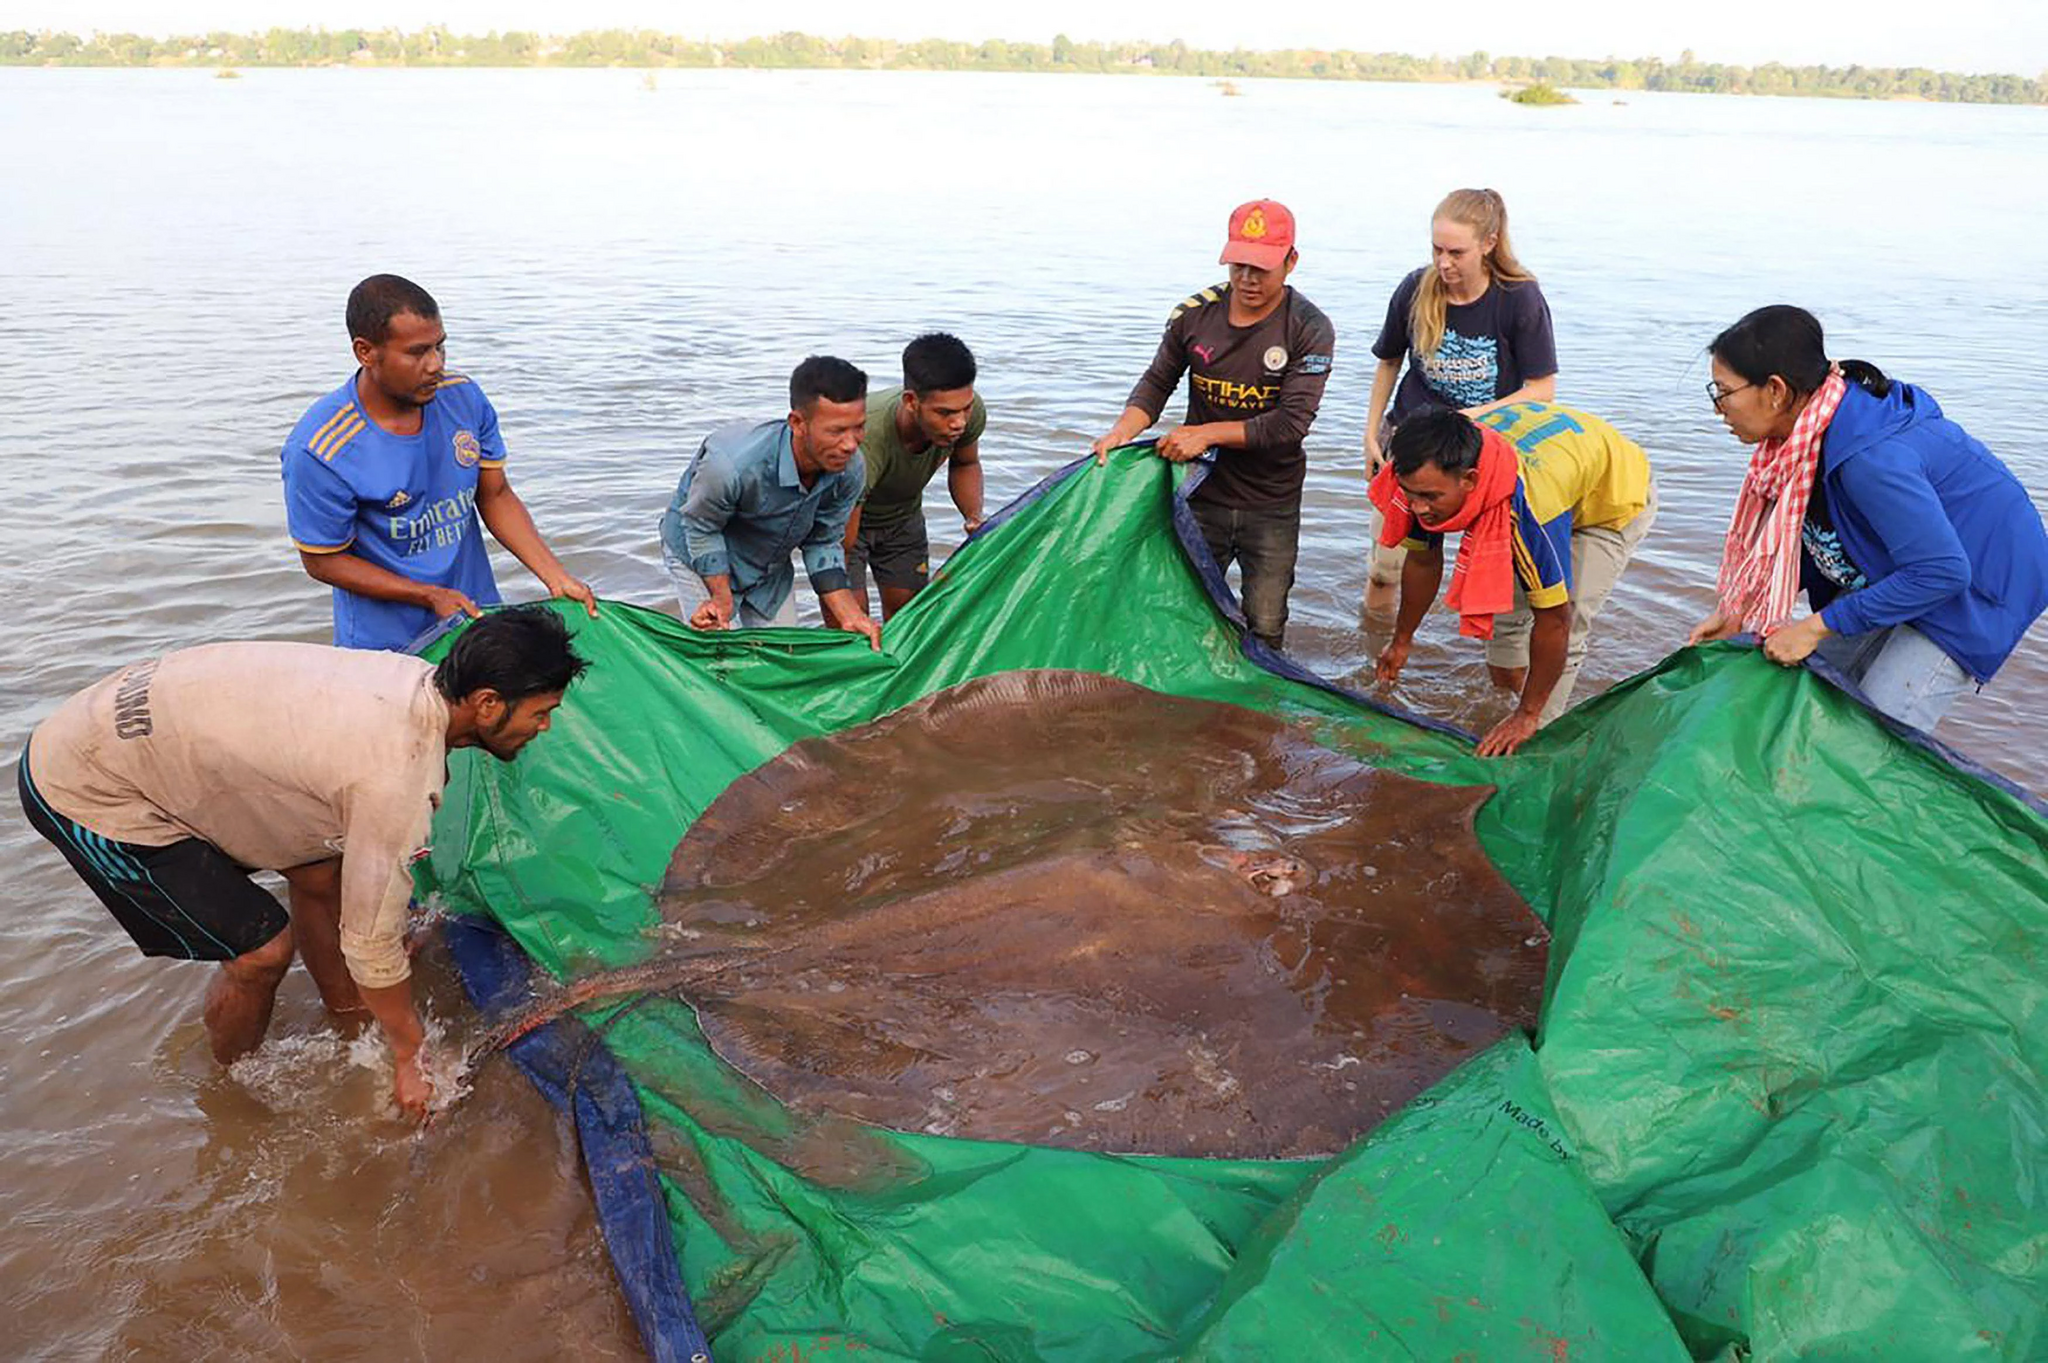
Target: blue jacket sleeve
point(824, 549)
point(1886, 488)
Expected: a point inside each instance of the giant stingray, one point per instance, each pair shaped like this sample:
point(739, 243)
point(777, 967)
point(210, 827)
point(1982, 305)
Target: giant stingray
point(1057, 908)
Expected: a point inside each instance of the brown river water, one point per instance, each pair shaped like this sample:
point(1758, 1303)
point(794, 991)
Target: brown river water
point(622, 268)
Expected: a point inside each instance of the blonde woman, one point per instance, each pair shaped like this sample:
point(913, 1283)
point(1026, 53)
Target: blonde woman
point(1475, 332)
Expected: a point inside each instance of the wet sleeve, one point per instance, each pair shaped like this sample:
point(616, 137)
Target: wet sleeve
point(713, 498)
point(1312, 346)
point(319, 504)
point(1393, 338)
point(491, 445)
point(387, 825)
point(1530, 338)
point(1886, 488)
point(824, 549)
point(1162, 376)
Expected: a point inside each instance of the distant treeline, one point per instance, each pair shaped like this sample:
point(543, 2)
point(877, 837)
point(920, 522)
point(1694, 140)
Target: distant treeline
point(619, 47)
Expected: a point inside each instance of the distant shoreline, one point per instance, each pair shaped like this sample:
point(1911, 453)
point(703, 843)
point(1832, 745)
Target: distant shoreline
point(440, 48)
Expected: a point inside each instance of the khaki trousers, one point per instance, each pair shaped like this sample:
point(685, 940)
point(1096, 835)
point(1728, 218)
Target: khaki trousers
point(1599, 554)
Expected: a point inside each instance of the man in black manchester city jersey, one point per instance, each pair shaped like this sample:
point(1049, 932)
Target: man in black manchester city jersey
point(1257, 355)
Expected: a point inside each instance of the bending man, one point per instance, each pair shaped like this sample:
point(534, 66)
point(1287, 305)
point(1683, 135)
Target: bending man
point(1550, 505)
point(166, 783)
point(753, 493)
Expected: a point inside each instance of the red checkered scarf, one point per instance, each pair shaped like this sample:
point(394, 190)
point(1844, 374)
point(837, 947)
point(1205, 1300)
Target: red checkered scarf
point(1760, 559)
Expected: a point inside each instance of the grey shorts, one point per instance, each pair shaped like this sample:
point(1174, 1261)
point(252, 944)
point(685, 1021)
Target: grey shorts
point(900, 554)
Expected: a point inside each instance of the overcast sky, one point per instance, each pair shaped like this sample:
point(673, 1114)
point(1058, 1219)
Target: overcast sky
point(1957, 35)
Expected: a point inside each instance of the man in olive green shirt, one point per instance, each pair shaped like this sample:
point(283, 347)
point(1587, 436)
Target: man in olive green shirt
point(933, 419)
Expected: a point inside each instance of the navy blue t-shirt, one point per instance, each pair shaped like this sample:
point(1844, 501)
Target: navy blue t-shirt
point(1491, 347)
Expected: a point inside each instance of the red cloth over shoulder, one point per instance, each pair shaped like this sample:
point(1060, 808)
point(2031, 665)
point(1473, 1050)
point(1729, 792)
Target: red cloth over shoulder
point(1483, 579)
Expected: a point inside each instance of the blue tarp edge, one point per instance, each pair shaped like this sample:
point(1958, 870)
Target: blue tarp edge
point(566, 1062)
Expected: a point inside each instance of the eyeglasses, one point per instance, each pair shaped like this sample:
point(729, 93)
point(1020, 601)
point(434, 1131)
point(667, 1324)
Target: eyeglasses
point(1717, 395)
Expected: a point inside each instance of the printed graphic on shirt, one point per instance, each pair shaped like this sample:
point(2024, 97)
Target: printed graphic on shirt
point(1464, 368)
point(1250, 398)
point(441, 525)
point(1823, 544)
point(131, 702)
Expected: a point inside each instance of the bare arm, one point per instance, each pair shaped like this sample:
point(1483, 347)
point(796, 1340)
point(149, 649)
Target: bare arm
point(1128, 426)
point(963, 481)
point(393, 1008)
point(352, 573)
point(843, 609)
point(1422, 572)
point(1548, 635)
point(509, 522)
point(1376, 411)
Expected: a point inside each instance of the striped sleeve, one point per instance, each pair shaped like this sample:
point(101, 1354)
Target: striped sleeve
point(1543, 555)
point(319, 504)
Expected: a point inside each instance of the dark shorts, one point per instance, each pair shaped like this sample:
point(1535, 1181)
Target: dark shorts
point(188, 900)
point(900, 554)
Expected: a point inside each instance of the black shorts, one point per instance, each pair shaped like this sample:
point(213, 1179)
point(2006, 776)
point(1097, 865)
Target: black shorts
point(189, 900)
point(900, 554)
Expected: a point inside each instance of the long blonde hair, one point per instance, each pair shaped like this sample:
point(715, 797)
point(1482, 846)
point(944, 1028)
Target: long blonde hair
point(1486, 214)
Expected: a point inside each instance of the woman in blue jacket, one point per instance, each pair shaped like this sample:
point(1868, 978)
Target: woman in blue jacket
point(1920, 553)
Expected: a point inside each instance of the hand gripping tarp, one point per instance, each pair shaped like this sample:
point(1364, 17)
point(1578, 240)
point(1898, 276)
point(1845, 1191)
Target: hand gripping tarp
point(1787, 1099)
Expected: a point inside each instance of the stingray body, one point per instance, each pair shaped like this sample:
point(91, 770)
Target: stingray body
point(1059, 909)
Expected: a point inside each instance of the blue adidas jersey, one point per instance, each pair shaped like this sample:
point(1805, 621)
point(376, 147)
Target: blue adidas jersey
point(403, 502)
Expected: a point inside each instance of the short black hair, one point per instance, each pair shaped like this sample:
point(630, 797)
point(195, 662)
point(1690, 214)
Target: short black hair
point(1448, 439)
point(827, 377)
point(518, 651)
point(937, 362)
point(374, 302)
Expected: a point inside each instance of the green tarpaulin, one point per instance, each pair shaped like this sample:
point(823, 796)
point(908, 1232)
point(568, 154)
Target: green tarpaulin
point(1787, 1099)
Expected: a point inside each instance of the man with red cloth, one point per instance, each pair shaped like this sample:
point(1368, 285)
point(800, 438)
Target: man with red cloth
point(1550, 504)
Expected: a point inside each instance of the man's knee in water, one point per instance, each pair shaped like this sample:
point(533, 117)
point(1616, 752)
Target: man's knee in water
point(266, 964)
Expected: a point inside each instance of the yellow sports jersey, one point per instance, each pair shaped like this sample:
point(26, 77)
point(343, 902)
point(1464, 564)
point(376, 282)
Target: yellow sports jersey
point(1577, 472)
point(1574, 462)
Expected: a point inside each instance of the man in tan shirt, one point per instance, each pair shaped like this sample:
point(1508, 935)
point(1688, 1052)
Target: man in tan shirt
point(167, 783)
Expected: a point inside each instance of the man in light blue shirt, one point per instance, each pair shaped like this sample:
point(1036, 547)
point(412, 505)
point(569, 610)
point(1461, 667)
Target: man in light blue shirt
point(755, 493)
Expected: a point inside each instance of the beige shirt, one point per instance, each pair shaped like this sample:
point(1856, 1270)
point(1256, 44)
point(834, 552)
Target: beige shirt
point(277, 754)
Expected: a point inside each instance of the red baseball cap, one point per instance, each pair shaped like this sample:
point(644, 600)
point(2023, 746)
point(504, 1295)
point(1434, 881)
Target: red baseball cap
point(1261, 234)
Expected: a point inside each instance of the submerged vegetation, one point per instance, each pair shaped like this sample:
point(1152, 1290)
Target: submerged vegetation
point(436, 46)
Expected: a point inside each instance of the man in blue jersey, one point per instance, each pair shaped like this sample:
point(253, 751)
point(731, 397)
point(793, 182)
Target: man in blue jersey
point(387, 478)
